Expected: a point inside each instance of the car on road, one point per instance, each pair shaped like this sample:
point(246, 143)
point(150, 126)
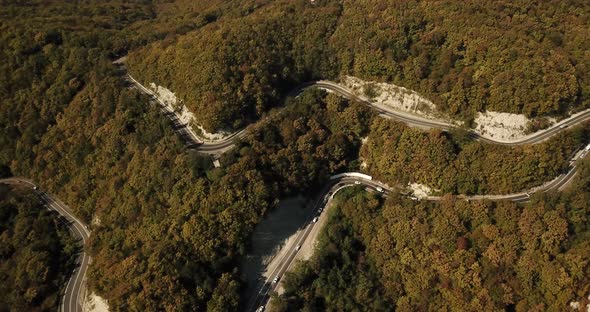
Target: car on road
point(379, 189)
point(562, 126)
point(315, 219)
point(35, 188)
point(260, 309)
point(275, 280)
point(357, 182)
point(298, 247)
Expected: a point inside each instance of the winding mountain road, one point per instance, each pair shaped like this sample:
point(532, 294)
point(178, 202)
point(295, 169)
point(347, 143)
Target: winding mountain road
point(272, 282)
point(223, 145)
point(414, 120)
point(72, 298)
point(74, 291)
point(339, 182)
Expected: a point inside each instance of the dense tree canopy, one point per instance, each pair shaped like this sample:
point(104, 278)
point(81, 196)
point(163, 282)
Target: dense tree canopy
point(243, 65)
point(36, 250)
point(451, 163)
point(338, 277)
point(453, 255)
point(166, 225)
point(49, 51)
point(468, 56)
point(169, 229)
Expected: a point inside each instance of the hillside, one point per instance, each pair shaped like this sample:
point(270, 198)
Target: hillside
point(397, 254)
point(467, 57)
point(169, 229)
point(36, 251)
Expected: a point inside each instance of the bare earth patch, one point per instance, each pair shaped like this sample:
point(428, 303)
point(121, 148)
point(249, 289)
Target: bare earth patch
point(420, 190)
point(95, 303)
point(96, 221)
point(501, 126)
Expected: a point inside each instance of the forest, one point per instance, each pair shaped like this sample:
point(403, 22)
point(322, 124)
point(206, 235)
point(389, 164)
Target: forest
point(452, 163)
point(466, 56)
point(36, 252)
point(168, 229)
point(402, 255)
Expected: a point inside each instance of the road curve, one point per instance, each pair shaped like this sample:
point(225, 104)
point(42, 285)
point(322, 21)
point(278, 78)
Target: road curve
point(414, 120)
point(223, 145)
point(557, 184)
point(74, 291)
point(220, 146)
point(266, 288)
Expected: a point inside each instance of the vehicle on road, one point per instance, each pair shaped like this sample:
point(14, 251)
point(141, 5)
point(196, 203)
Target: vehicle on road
point(315, 219)
point(298, 247)
point(357, 182)
point(275, 280)
point(379, 189)
point(414, 198)
point(260, 309)
point(562, 126)
point(320, 210)
point(35, 188)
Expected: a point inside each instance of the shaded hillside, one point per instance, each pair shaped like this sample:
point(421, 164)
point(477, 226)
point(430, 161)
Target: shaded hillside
point(469, 56)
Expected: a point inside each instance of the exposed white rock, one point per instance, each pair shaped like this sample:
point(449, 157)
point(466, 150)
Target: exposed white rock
point(185, 115)
point(420, 190)
point(364, 164)
point(391, 95)
point(501, 126)
point(95, 303)
point(576, 306)
point(96, 221)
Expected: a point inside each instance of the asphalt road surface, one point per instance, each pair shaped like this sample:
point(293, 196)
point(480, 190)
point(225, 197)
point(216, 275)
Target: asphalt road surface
point(221, 146)
point(72, 298)
point(333, 186)
point(414, 120)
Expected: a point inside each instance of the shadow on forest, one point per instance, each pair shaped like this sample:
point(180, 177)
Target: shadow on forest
point(268, 238)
